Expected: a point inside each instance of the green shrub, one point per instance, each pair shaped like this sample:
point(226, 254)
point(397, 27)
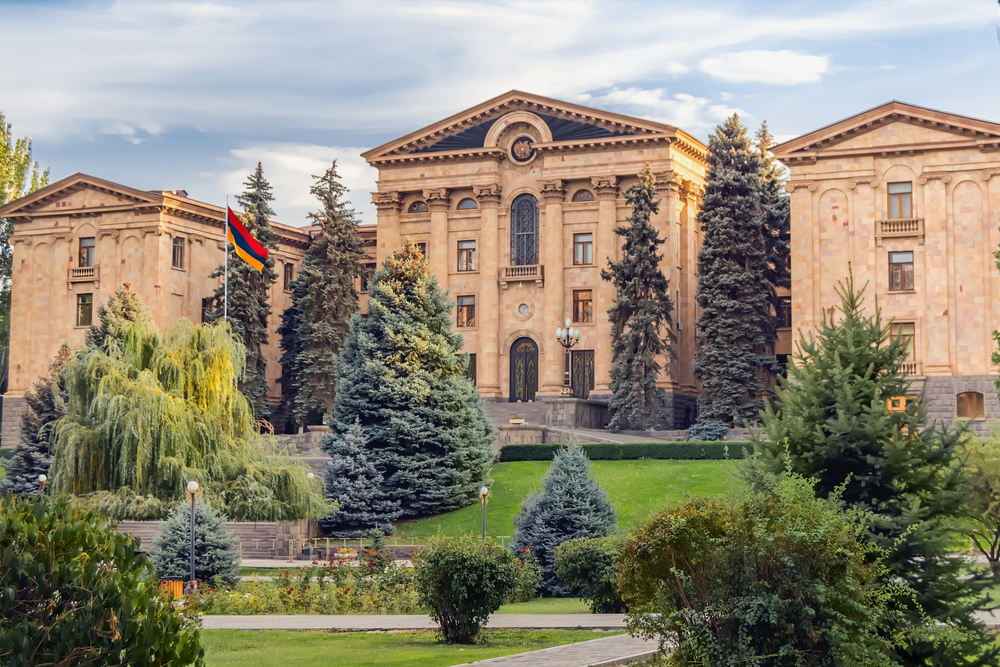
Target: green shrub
point(588, 565)
point(461, 582)
point(529, 576)
point(75, 592)
point(215, 553)
point(613, 451)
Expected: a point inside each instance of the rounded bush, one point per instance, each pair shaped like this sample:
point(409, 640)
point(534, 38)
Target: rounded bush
point(588, 565)
point(708, 431)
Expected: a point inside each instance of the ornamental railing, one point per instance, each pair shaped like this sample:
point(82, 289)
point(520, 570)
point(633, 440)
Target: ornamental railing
point(898, 227)
point(522, 273)
point(911, 368)
point(83, 274)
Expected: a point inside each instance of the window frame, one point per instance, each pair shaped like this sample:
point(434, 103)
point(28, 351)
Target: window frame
point(579, 303)
point(461, 207)
point(899, 198)
point(472, 371)
point(902, 283)
point(587, 195)
point(206, 309)
point(784, 312)
point(91, 256)
point(418, 206)
point(465, 313)
point(586, 248)
point(79, 309)
point(979, 408)
point(174, 248)
point(912, 345)
point(287, 276)
point(466, 256)
point(368, 270)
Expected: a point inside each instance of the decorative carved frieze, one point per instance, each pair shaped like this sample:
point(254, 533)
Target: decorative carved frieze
point(438, 200)
point(487, 195)
point(790, 186)
point(606, 187)
point(554, 191)
point(387, 202)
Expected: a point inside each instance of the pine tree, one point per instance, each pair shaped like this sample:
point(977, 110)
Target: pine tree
point(249, 290)
point(215, 552)
point(639, 315)
point(571, 505)
point(734, 290)
point(323, 300)
point(45, 404)
point(122, 306)
point(353, 482)
point(401, 375)
point(832, 423)
point(776, 210)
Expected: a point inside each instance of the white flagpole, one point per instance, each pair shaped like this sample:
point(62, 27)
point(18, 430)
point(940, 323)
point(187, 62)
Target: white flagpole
point(225, 299)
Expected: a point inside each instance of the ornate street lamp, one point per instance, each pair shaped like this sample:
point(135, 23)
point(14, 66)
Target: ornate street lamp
point(567, 337)
point(484, 497)
point(192, 489)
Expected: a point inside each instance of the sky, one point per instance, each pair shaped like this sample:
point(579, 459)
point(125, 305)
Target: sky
point(168, 94)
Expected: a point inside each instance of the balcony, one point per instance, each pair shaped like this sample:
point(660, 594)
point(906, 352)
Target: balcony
point(911, 368)
point(899, 227)
point(522, 274)
point(84, 274)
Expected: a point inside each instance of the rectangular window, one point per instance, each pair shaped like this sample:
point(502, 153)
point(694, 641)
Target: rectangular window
point(900, 403)
point(177, 256)
point(422, 247)
point(84, 310)
point(470, 372)
point(583, 249)
point(900, 200)
point(466, 311)
point(971, 405)
point(367, 274)
point(466, 255)
point(289, 276)
point(900, 271)
point(583, 305)
point(206, 309)
point(785, 312)
point(87, 249)
point(905, 332)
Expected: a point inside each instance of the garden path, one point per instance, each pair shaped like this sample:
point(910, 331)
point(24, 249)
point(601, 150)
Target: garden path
point(604, 652)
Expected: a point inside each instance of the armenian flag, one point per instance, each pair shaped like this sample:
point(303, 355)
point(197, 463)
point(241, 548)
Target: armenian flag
point(247, 247)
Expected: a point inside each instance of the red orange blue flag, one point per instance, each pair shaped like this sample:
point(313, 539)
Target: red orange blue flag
point(247, 247)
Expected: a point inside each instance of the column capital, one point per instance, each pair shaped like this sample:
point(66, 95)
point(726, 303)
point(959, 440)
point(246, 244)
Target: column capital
point(487, 195)
point(668, 181)
point(554, 191)
point(606, 187)
point(438, 200)
point(388, 202)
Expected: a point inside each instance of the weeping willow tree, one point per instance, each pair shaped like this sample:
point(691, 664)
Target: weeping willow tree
point(147, 413)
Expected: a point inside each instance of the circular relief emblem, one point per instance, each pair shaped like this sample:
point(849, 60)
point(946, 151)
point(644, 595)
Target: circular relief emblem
point(522, 150)
point(523, 309)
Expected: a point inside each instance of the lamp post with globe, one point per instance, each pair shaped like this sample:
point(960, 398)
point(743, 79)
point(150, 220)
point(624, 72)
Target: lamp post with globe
point(42, 479)
point(192, 489)
point(308, 549)
point(567, 337)
point(484, 497)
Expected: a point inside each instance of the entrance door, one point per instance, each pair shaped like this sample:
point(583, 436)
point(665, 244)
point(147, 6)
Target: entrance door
point(582, 377)
point(523, 370)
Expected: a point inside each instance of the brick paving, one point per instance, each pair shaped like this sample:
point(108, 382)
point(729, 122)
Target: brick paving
point(410, 622)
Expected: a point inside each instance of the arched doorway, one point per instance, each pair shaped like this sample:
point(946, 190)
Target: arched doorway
point(524, 231)
point(523, 370)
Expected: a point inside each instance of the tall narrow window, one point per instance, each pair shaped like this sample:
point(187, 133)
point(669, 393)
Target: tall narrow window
point(583, 305)
point(84, 310)
point(206, 309)
point(900, 200)
point(905, 332)
point(785, 312)
point(524, 231)
point(177, 256)
point(367, 274)
point(289, 276)
point(900, 271)
point(971, 405)
point(422, 249)
point(87, 249)
point(466, 311)
point(470, 372)
point(583, 249)
point(466, 255)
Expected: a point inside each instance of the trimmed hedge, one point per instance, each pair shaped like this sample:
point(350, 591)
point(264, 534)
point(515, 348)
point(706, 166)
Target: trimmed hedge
point(6, 452)
point(631, 451)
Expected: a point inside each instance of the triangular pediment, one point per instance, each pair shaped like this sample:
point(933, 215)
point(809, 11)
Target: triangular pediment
point(893, 126)
point(78, 192)
point(468, 130)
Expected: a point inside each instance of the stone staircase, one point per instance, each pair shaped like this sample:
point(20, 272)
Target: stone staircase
point(533, 413)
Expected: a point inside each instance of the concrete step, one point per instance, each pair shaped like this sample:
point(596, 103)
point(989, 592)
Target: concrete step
point(533, 413)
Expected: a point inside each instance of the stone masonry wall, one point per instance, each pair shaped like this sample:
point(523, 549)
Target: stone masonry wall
point(940, 394)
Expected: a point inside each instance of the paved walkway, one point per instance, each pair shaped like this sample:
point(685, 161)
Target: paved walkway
point(412, 622)
point(604, 652)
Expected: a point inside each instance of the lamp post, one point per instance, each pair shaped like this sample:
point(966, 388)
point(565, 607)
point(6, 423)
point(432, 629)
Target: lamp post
point(42, 479)
point(484, 497)
point(567, 337)
point(192, 489)
point(308, 550)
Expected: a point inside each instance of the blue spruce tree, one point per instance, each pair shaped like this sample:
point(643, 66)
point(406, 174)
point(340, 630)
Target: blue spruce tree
point(355, 484)
point(572, 504)
point(215, 553)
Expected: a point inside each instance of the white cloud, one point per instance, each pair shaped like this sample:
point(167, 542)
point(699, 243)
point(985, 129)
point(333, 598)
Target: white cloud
point(289, 169)
point(783, 68)
point(697, 115)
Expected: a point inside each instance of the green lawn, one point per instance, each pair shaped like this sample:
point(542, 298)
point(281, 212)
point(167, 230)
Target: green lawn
point(637, 488)
point(279, 648)
point(547, 606)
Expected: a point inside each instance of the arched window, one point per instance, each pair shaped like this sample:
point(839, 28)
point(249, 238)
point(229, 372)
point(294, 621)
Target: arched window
point(583, 195)
point(524, 231)
point(418, 207)
point(466, 204)
point(971, 405)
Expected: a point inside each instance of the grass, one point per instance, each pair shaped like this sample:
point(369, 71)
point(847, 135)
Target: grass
point(279, 648)
point(637, 489)
point(547, 606)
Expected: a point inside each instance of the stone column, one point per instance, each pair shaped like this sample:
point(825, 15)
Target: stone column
point(553, 194)
point(389, 205)
point(437, 249)
point(488, 252)
point(606, 248)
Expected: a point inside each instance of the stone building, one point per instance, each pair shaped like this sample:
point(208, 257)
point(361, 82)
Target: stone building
point(908, 198)
point(78, 239)
point(515, 202)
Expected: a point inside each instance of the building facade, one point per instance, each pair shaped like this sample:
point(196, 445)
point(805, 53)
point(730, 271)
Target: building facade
point(514, 203)
point(77, 240)
point(908, 199)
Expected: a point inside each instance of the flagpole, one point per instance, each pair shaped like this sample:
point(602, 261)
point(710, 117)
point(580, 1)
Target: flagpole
point(225, 299)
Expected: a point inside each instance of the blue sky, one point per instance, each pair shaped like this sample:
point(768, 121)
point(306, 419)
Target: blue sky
point(173, 94)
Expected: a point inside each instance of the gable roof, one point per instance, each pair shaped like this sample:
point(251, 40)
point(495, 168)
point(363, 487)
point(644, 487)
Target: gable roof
point(967, 132)
point(464, 134)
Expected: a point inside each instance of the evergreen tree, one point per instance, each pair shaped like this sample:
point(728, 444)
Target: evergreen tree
point(571, 505)
point(249, 290)
point(45, 404)
point(122, 306)
point(215, 552)
point(353, 482)
point(734, 290)
point(323, 300)
point(401, 375)
point(639, 315)
point(832, 423)
point(777, 216)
